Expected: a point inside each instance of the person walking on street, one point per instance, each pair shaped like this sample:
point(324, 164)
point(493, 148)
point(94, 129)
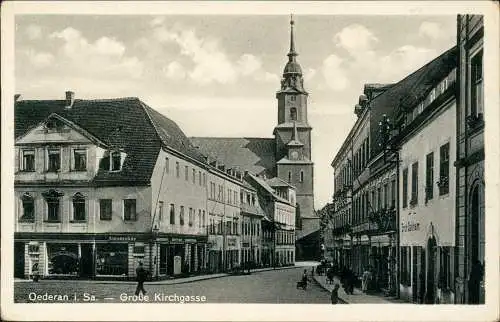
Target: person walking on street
point(141, 274)
point(334, 297)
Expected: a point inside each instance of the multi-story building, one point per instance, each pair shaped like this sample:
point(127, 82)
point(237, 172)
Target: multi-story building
point(470, 181)
point(251, 227)
point(103, 184)
point(427, 148)
point(224, 215)
point(277, 200)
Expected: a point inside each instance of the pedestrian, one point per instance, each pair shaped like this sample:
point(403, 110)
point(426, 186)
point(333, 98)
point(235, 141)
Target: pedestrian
point(35, 272)
point(475, 279)
point(141, 274)
point(312, 271)
point(334, 297)
point(365, 280)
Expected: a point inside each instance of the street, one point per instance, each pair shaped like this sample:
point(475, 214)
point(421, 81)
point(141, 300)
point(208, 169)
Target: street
point(272, 287)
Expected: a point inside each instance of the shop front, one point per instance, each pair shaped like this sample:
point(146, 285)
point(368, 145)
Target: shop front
point(215, 247)
point(232, 252)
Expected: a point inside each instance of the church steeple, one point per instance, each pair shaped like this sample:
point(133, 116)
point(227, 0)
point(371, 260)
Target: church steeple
point(292, 53)
point(292, 74)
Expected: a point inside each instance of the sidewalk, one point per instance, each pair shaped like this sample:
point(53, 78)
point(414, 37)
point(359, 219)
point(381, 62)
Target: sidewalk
point(358, 297)
point(173, 281)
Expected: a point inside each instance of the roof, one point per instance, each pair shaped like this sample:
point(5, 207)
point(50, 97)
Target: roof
point(255, 155)
point(265, 185)
point(277, 182)
point(124, 123)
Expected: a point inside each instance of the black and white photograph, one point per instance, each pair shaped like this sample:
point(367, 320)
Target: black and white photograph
point(250, 153)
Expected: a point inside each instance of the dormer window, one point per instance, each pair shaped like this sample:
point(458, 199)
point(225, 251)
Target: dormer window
point(115, 161)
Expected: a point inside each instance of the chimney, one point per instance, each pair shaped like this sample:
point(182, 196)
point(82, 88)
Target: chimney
point(17, 97)
point(70, 99)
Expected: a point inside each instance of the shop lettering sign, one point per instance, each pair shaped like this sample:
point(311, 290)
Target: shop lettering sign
point(411, 224)
point(231, 242)
point(121, 238)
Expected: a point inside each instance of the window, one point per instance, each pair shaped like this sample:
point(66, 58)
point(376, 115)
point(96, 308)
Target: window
point(293, 113)
point(414, 184)
point(199, 218)
point(235, 226)
point(432, 95)
point(28, 161)
point(212, 190)
point(194, 176)
point(54, 160)
point(405, 188)
point(445, 280)
point(203, 218)
point(167, 165)
point(80, 159)
point(172, 214)
point(477, 84)
point(177, 169)
point(28, 207)
point(116, 159)
point(429, 177)
point(160, 211)
point(229, 196)
point(199, 178)
point(78, 207)
point(386, 195)
point(204, 179)
point(220, 197)
point(186, 173)
point(405, 265)
point(190, 218)
point(181, 216)
point(393, 193)
point(301, 176)
point(105, 209)
point(293, 98)
point(444, 169)
point(52, 209)
point(444, 85)
point(379, 198)
point(289, 176)
point(235, 197)
point(129, 209)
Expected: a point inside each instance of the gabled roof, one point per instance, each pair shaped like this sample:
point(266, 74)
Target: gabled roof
point(264, 184)
point(277, 182)
point(124, 123)
point(255, 155)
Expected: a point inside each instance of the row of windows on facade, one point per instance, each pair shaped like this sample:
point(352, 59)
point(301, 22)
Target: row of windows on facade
point(112, 161)
point(217, 226)
point(301, 176)
point(231, 196)
point(252, 229)
point(375, 200)
point(196, 176)
point(446, 265)
point(350, 170)
point(105, 210)
point(285, 237)
point(442, 183)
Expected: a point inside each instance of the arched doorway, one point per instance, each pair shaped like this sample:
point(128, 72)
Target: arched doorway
point(476, 244)
point(430, 290)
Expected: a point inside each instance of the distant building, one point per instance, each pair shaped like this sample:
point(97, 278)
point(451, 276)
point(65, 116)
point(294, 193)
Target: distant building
point(470, 180)
point(286, 156)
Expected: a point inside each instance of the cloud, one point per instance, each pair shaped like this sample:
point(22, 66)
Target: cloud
point(403, 61)
point(33, 32)
point(210, 62)
point(431, 30)
point(334, 73)
point(106, 56)
point(309, 74)
point(355, 38)
point(39, 60)
point(175, 71)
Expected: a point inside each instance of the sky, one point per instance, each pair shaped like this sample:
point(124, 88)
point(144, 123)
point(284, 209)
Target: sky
point(217, 75)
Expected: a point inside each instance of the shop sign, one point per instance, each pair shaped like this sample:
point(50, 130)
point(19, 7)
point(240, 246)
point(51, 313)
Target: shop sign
point(231, 242)
point(121, 238)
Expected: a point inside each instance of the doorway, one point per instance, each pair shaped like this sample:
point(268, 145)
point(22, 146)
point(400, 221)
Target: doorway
point(19, 259)
point(86, 261)
point(431, 267)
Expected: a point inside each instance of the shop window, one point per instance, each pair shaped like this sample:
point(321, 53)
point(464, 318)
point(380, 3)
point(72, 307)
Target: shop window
point(28, 160)
point(80, 159)
point(444, 169)
point(112, 259)
point(181, 216)
point(78, 207)
point(405, 188)
point(129, 210)
point(105, 209)
point(477, 84)
point(139, 249)
point(414, 184)
point(429, 177)
point(28, 207)
point(62, 259)
point(54, 160)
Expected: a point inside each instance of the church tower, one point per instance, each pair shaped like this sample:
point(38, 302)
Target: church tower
point(293, 141)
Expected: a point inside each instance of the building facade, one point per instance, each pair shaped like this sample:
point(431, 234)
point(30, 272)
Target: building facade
point(470, 181)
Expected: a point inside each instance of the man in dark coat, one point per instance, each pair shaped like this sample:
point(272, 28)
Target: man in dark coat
point(334, 297)
point(142, 275)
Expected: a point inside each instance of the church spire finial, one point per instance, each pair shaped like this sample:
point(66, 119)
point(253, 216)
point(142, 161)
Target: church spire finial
point(292, 52)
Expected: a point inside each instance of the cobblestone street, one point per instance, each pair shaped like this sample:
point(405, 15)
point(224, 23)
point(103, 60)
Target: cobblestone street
point(262, 287)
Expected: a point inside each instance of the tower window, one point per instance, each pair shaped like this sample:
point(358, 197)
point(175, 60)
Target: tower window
point(289, 176)
point(293, 113)
point(293, 98)
point(301, 176)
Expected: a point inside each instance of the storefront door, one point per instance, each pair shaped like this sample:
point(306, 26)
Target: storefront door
point(431, 267)
point(19, 260)
point(86, 261)
point(163, 259)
